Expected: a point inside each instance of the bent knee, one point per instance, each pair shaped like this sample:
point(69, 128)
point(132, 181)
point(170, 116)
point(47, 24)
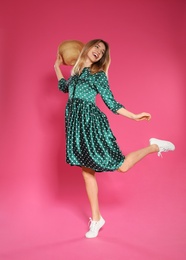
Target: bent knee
point(123, 168)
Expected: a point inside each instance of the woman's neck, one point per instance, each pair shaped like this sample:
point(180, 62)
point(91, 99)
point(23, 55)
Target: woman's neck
point(87, 63)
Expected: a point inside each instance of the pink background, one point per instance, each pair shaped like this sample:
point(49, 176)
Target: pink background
point(43, 205)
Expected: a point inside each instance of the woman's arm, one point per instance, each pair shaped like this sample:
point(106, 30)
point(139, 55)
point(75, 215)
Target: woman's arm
point(103, 88)
point(107, 96)
point(142, 116)
point(62, 83)
point(57, 69)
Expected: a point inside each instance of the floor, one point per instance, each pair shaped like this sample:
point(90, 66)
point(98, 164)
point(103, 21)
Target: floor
point(143, 222)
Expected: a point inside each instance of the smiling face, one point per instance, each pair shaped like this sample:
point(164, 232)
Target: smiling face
point(95, 55)
point(96, 52)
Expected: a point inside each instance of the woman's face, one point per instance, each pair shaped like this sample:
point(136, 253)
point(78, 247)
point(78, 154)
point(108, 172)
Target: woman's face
point(96, 52)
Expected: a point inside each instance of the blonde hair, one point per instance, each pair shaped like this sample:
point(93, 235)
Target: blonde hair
point(101, 65)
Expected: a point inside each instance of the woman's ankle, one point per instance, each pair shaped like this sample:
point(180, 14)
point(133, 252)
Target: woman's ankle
point(96, 217)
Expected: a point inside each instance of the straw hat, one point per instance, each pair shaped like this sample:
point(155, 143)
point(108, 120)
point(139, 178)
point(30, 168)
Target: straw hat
point(70, 50)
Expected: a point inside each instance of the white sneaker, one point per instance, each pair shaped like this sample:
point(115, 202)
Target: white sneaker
point(164, 146)
point(94, 227)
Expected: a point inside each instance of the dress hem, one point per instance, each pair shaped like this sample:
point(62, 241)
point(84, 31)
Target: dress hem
point(104, 170)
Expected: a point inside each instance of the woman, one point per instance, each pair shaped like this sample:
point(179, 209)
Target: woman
point(90, 142)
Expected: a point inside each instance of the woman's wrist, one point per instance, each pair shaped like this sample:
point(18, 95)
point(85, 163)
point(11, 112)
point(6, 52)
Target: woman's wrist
point(133, 116)
point(124, 112)
point(56, 67)
point(58, 72)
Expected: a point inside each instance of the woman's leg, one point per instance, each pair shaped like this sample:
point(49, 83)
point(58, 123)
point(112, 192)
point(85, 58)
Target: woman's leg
point(132, 158)
point(156, 145)
point(92, 192)
point(96, 222)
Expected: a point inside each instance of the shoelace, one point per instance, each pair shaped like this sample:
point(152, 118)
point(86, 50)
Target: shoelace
point(92, 224)
point(162, 149)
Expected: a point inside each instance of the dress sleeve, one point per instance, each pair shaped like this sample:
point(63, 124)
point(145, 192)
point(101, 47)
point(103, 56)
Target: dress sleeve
point(63, 85)
point(103, 89)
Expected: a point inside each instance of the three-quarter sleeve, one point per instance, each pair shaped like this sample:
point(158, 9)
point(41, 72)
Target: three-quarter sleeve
point(63, 85)
point(103, 88)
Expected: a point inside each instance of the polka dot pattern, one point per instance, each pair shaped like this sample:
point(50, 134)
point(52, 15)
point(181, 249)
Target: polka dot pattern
point(89, 139)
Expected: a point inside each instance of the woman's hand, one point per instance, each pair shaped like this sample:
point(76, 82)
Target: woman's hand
point(138, 117)
point(142, 116)
point(57, 64)
point(58, 61)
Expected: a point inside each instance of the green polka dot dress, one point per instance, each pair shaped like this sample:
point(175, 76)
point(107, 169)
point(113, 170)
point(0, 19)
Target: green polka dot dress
point(89, 139)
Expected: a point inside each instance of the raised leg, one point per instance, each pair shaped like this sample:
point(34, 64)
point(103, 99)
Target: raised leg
point(156, 145)
point(132, 158)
